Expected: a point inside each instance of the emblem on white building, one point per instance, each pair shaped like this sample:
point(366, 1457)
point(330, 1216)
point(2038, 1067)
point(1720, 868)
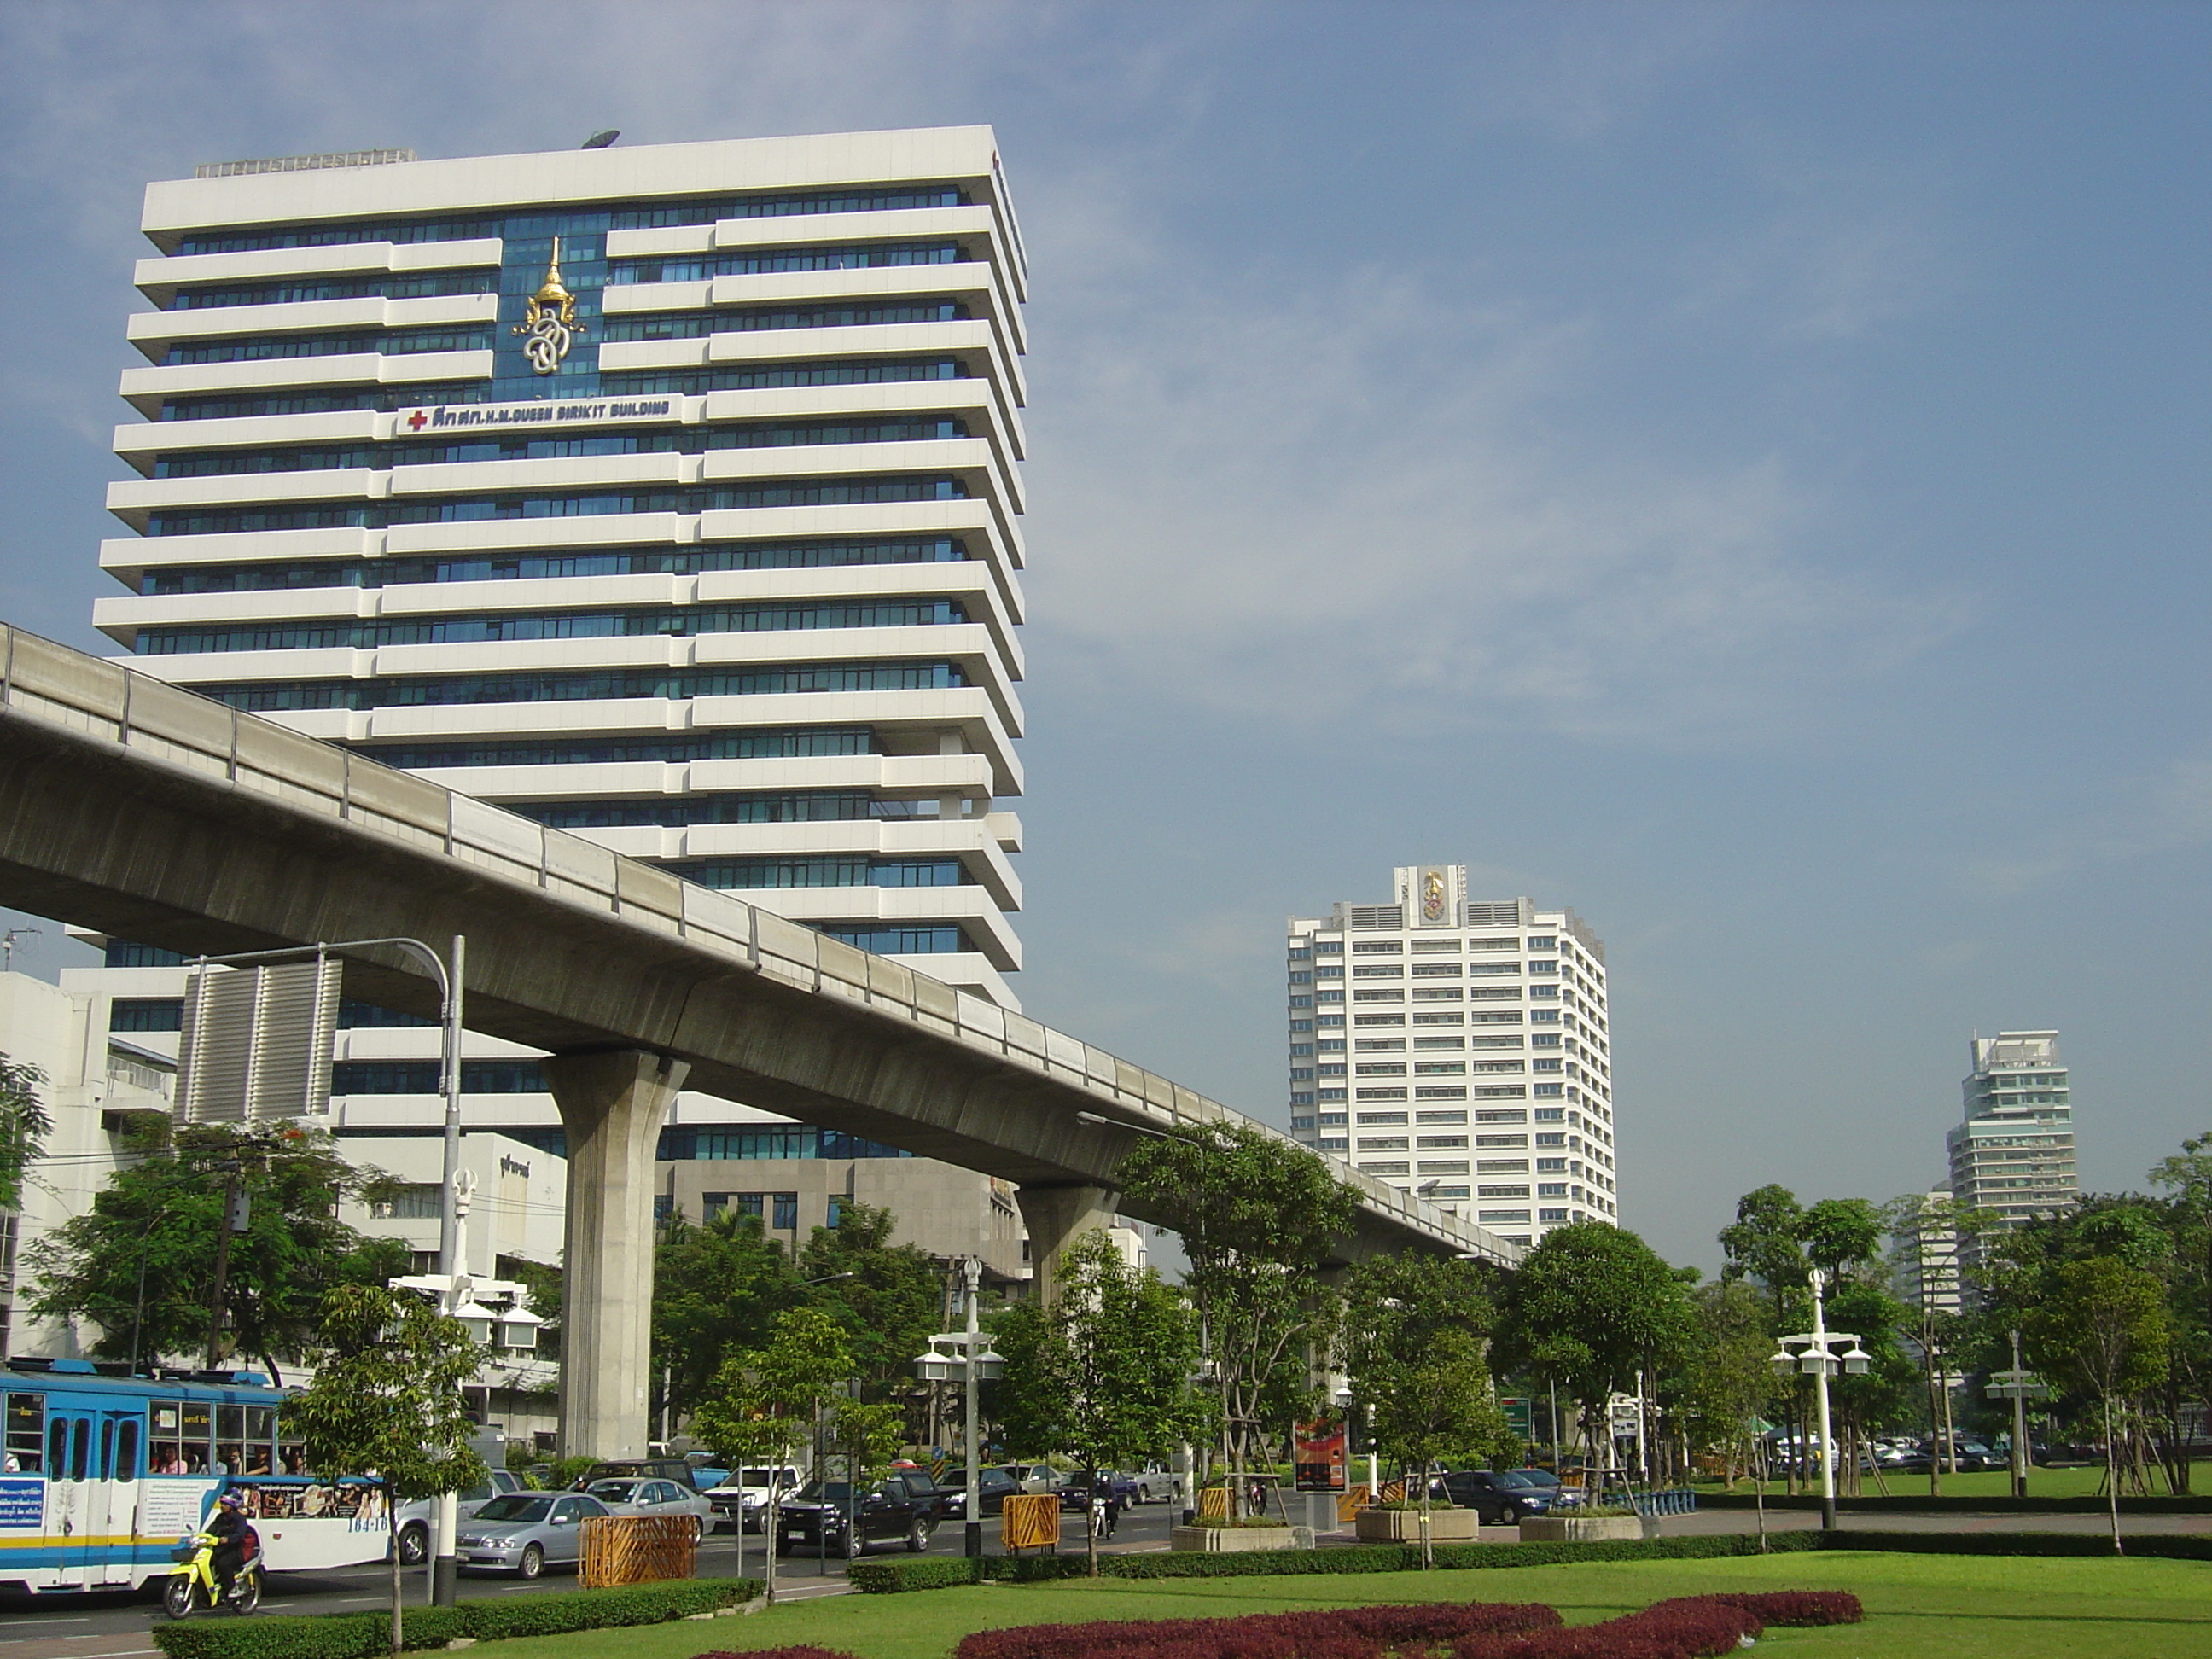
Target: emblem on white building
point(549, 325)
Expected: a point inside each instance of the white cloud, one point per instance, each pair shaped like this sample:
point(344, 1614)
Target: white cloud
point(1359, 498)
point(2167, 811)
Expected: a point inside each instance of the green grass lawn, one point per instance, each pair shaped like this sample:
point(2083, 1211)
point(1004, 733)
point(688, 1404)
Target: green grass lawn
point(1917, 1607)
point(1993, 1482)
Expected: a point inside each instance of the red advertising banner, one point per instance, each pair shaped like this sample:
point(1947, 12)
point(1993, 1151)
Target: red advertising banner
point(1317, 1455)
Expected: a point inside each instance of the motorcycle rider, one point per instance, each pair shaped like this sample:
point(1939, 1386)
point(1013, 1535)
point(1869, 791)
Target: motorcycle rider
point(236, 1542)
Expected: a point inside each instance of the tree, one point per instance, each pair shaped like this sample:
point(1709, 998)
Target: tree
point(716, 1288)
point(764, 1404)
point(2187, 1178)
point(1258, 1216)
point(1726, 1381)
point(2100, 1324)
point(888, 1305)
point(1416, 1332)
point(24, 1127)
point(387, 1402)
point(1104, 1375)
point(1591, 1305)
point(140, 1263)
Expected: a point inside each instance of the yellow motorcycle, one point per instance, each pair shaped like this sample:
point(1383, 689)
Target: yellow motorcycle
point(192, 1584)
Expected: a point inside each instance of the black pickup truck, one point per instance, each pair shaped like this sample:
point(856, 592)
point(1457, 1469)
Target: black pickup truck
point(832, 1515)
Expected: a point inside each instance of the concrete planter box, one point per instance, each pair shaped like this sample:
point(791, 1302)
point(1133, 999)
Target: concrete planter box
point(1375, 1526)
point(1226, 1540)
point(1586, 1529)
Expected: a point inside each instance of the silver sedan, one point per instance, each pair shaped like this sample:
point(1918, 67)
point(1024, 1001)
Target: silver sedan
point(628, 1495)
point(525, 1533)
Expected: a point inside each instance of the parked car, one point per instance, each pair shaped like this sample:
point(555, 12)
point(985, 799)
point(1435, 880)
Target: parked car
point(832, 1516)
point(626, 1495)
point(1563, 1497)
point(1158, 1484)
point(635, 1468)
point(416, 1519)
point(1497, 1499)
point(742, 1499)
point(525, 1533)
point(993, 1488)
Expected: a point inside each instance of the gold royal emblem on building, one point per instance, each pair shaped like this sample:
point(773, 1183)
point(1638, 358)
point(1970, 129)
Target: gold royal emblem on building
point(549, 325)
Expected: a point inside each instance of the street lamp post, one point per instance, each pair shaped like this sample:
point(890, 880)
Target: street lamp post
point(507, 1317)
point(1815, 1357)
point(972, 1364)
point(2020, 1386)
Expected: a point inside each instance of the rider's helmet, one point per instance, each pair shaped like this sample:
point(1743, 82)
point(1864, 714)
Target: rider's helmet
point(231, 1500)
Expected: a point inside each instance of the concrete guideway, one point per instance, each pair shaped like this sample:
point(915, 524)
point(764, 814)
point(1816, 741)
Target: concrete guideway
point(150, 813)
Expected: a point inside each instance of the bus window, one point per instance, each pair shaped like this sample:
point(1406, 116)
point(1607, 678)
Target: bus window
point(126, 1450)
point(80, 1450)
point(197, 1421)
point(291, 1455)
point(58, 1448)
point(105, 1469)
point(165, 1442)
point(260, 1432)
point(26, 1433)
point(230, 1439)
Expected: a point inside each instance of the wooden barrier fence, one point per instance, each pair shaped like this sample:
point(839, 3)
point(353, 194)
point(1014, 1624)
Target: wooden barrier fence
point(637, 1549)
point(1030, 1520)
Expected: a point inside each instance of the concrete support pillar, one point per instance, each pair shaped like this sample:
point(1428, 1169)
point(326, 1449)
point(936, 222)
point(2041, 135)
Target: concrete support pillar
point(612, 1105)
point(1053, 1216)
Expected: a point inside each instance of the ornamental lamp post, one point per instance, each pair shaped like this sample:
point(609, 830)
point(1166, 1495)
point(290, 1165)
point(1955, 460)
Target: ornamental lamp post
point(971, 1366)
point(2020, 1386)
point(1815, 1357)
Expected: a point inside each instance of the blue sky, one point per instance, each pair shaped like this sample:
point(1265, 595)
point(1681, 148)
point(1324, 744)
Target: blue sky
point(1739, 470)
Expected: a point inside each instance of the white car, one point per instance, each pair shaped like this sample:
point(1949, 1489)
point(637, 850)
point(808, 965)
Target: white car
point(741, 1500)
point(633, 1494)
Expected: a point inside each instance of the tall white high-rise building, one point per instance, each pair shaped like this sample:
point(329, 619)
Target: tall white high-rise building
point(667, 494)
point(1459, 1051)
point(2013, 1153)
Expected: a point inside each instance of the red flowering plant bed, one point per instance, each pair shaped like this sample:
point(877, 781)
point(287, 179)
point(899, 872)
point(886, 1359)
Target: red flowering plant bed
point(1339, 1632)
point(1689, 1627)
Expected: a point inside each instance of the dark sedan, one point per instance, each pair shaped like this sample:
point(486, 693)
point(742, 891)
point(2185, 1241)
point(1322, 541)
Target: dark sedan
point(831, 1516)
point(1498, 1499)
point(993, 1488)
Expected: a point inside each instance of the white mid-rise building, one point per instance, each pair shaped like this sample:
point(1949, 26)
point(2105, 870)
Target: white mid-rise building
point(668, 495)
point(1924, 1253)
point(2012, 1155)
point(1459, 1051)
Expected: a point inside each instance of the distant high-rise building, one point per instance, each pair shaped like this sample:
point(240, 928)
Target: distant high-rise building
point(2013, 1154)
point(1457, 1050)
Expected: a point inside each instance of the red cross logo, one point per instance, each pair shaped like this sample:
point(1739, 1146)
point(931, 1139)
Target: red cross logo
point(418, 420)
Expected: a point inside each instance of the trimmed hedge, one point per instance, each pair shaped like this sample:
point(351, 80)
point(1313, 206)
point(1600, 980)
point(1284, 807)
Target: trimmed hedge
point(889, 1577)
point(1920, 1503)
point(2163, 1546)
point(366, 1635)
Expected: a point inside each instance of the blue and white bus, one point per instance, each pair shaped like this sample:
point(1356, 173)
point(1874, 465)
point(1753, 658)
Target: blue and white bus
point(101, 1476)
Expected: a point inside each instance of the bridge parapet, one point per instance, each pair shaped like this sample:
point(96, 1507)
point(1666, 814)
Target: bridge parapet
point(116, 707)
